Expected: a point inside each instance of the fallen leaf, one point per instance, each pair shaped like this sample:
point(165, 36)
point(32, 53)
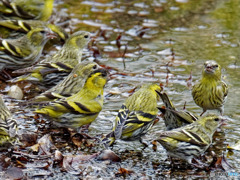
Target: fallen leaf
point(28, 139)
point(107, 154)
point(4, 162)
point(44, 145)
point(154, 143)
point(124, 172)
point(71, 163)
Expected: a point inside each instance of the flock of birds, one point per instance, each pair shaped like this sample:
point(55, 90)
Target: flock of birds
point(75, 89)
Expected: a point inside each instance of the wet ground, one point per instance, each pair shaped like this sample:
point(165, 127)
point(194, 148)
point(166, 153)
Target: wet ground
point(159, 41)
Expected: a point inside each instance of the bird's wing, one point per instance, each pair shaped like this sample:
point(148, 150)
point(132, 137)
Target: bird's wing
point(12, 50)
point(120, 121)
point(186, 134)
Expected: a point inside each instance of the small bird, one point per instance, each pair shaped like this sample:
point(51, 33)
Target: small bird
point(210, 92)
point(192, 140)
point(174, 118)
point(8, 126)
point(17, 28)
point(51, 70)
point(24, 51)
point(136, 116)
point(72, 84)
point(26, 9)
point(81, 108)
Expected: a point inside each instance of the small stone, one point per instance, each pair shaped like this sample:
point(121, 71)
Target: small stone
point(15, 92)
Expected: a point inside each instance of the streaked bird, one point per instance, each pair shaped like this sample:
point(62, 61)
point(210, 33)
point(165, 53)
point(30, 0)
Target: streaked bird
point(8, 126)
point(54, 69)
point(26, 9)
point(192, 140)
point(71, 85)
point(81, 108)
point(136, 116)
point(211, 91)
point(17, 28)
point(174, 118)
point(24, 51)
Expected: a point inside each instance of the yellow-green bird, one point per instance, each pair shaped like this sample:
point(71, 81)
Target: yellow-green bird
point(54, 69)
point(24, 51)
point(81, 108)
point(17, 28)
point(192, 140)
point(136, 116)
point(26, 9)
point(211, 91)
point(72, 84)
point(8, 126)
point(172, 117)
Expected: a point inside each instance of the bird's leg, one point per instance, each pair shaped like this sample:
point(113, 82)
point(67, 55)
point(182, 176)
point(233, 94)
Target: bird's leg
point(198, 164)
point(143, 143)
point(6, 75)
point(203, 112)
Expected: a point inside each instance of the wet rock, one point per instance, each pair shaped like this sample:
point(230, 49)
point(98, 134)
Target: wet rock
point(15, 92)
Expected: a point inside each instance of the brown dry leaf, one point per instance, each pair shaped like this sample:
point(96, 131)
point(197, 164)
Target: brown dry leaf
point(20, 164)
point(221, 162)
point(124, 172)
point(132, 90)
point(71, 163)
point(35, 147)
point(28, 139)
point(58, 156)
point(4, 162)
point(154, 143)
point(44, 145)
point(107, 154)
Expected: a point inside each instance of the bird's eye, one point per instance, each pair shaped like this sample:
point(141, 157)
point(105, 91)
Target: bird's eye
point(42, 32)
point(86, 36)
point(95, 67)
point(216, 119)
point(216, 66)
